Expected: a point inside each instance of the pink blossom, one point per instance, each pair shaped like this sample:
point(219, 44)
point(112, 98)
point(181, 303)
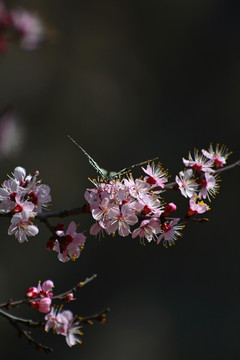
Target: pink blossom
point(63, 323)
point(196, 207)
point(199, 163)
point(8, 194)
point(218, 156)
point(22, 227)
point(156, 175)
point(72, 243)
point(186, 184)
point(137, 188)
point(209, 187)
point(148, 229)
point(170, 233)
point(29, 27)
point(121, 219)
point(40, 196)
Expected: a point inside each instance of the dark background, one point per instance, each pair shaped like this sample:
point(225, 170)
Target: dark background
point(130, 80)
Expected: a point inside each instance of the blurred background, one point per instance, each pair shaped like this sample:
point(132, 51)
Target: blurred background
point(129, 80)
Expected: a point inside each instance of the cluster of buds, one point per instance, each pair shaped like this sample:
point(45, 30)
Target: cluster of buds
point(43, 293)
point(119, 204)
point(20, 26)
point(68, 245)
point(23, 197)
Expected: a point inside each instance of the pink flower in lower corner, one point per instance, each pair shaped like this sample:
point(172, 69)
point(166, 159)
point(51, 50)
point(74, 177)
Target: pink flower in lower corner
point(63, 323)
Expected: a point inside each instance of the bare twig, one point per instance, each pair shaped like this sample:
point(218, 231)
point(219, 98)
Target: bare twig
point(15, 320)
point(101, 317)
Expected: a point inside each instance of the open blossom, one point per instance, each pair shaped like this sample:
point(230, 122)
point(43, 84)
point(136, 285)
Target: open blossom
point(186, 183)
point(137, 188)
point(199, 163)
point(209, 187)
point(71, 243)
point(148, 229)
point(196, 207)
point(156, 175)
point(170, 233)
point(120, 219)
point(63, 323)
point(218, 156)
point(23, 196)
point(29, 28)
point(40, 196)
point(22, 227)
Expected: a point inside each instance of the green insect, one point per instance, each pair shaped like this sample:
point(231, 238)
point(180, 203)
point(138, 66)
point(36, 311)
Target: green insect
point(104, 174)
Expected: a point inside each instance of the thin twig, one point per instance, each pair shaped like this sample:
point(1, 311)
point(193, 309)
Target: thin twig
point(101, 316)
point(15, 320)
point(61, 296)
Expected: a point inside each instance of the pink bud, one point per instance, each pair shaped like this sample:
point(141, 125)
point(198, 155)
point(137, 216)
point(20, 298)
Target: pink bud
point(44, 305)
point(171, 207)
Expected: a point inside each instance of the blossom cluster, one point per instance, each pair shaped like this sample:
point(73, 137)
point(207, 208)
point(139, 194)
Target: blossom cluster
point(120, 204)
point(62, 322)
point(68, 245)
point(23, 196)
point(20, 26)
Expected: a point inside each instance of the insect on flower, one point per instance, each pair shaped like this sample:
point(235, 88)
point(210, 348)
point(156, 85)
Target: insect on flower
point(108, 175)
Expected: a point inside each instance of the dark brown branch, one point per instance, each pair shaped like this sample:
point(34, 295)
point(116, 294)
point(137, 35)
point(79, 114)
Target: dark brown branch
point(15, 320)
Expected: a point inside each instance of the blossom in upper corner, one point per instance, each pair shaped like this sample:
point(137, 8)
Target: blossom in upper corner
point(29, 28)
point(218, 156)
point(70, 244)
point(186, 184)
